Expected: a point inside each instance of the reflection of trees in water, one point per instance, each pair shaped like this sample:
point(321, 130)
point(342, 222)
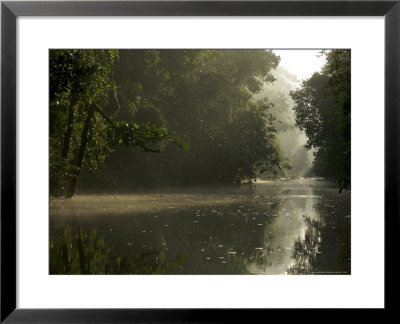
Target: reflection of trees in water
point(220, 240)
point(325, 248)
point(305, 251)
point(76, 250)
point(203, 239)
point(219, 232)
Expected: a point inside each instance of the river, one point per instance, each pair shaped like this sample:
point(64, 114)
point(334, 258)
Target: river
point(270, 227)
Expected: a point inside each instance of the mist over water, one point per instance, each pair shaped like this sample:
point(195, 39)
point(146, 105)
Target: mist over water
point(272, 227)
point(199, 161)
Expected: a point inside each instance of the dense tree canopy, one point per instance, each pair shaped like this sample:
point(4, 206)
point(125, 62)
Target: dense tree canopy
point(322, 109)
point(82, 88)
point(110, 110)
point(297, 160)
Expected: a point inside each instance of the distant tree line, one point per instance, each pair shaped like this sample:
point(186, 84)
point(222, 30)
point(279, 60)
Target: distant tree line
point(113, 111)
point(298, 161)
point(323, 111)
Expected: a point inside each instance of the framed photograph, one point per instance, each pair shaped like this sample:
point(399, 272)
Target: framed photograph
point(197, 160)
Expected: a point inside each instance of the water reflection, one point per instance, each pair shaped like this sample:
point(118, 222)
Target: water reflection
point(325, 248)
point(261, 229)
point(75, 250)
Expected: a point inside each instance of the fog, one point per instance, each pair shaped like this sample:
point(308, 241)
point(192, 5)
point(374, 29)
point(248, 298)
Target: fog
point(291, 139)
point(199, 161)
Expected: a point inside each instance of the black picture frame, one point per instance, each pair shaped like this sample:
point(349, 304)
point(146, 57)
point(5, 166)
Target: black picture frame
point(10, 10)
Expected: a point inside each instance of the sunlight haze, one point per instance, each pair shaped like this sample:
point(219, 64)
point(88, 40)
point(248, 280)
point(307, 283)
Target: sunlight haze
point(302, 63)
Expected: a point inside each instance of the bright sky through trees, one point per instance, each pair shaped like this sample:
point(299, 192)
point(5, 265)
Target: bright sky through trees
point(178, 161)
point(302, 63)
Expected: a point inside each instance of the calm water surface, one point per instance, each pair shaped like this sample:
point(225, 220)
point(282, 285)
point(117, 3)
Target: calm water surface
point(272, 227)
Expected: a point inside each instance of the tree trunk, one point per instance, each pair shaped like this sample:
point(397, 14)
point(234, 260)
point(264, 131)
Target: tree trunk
point(55, 183)
point(81, 153)
point(68, 132)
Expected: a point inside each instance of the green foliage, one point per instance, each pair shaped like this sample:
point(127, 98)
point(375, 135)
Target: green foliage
point(232, 133)
point(143, 136)
point(128, 99)
point(78, 78)
point(322, 109)
point(84, 106)
point(296, 159)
